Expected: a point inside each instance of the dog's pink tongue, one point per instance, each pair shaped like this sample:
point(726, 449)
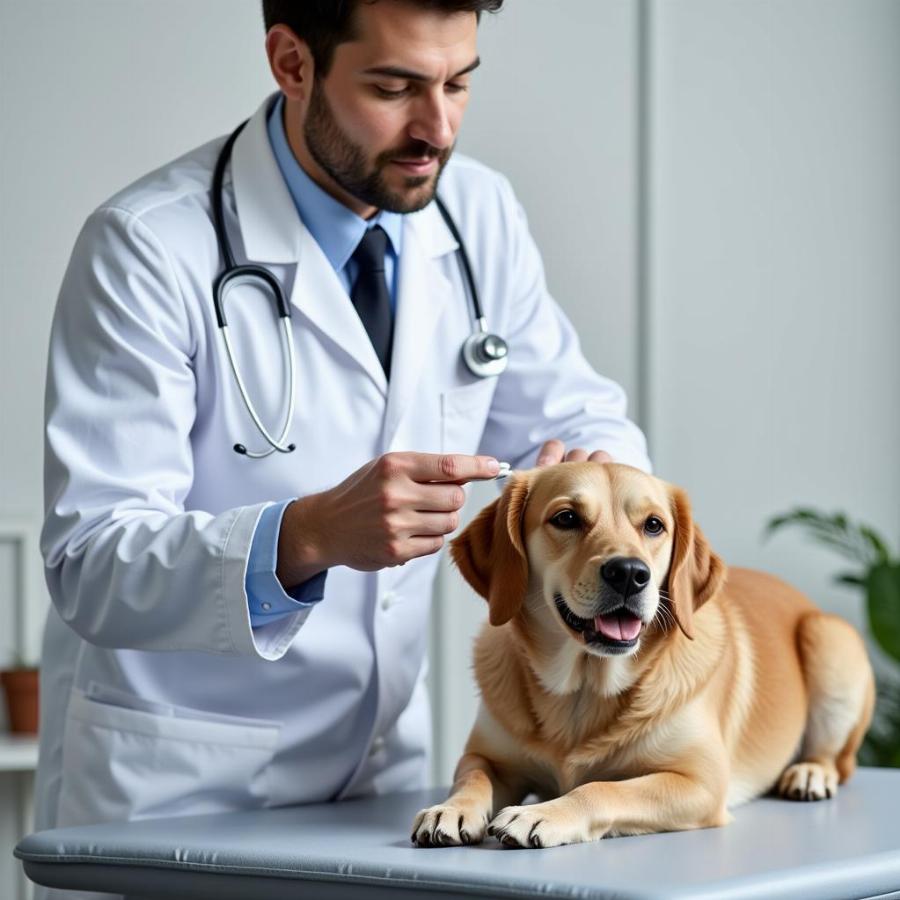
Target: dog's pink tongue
point(618, 626)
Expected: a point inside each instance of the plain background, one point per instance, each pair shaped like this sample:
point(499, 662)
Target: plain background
point(714, 185)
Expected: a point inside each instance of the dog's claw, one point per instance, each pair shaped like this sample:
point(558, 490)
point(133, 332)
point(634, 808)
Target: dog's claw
point(446, 825)
point(808, 781)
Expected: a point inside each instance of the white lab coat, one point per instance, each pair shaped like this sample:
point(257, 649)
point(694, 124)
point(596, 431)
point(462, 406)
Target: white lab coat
point(158, 696)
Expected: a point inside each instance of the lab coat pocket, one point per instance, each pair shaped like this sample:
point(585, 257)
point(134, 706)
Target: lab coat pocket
point(464, 412)
point(137, 760)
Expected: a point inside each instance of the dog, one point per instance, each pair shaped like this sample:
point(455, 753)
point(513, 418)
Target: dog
point(628, 679)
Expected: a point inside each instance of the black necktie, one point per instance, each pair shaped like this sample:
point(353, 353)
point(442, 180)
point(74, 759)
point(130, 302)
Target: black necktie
point(370, 294)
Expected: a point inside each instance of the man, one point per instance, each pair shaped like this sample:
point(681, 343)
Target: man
point(231, 631)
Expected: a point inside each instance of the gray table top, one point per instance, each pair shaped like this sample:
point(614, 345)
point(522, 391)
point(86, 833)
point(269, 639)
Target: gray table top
point(845, 847)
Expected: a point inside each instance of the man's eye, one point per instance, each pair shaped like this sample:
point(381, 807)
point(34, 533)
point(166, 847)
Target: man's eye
point(654, 526)
point(566, 519)
point(457, 88)
point(385, 92)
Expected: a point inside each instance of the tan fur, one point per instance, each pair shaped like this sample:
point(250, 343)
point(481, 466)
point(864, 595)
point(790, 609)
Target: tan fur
point(737, 683)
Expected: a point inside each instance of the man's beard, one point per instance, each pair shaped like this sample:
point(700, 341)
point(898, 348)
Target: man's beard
point(346, 164)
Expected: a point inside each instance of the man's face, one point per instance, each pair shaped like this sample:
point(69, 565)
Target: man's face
point(382, 124)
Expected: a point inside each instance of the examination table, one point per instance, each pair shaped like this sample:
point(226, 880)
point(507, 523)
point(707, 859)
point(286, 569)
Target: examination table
point(848, 847)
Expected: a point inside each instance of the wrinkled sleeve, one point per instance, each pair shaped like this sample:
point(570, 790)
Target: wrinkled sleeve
point(126, 565)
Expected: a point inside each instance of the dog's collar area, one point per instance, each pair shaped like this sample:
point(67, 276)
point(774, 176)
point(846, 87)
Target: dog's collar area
point(591, 634)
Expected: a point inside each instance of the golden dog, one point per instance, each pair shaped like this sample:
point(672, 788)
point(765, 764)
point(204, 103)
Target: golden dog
point(628, 680)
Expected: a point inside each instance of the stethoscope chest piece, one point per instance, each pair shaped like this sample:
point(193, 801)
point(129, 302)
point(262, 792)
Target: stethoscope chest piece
point(485, 354)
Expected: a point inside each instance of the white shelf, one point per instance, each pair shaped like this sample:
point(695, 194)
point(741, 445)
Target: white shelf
point(18, 753)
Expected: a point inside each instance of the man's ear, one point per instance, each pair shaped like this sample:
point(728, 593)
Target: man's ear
point(490, 553)
point(291, 62)
point(695, 573)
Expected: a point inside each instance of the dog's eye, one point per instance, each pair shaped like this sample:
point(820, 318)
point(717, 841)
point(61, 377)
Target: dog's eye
point(566, 518)
point(654, 526)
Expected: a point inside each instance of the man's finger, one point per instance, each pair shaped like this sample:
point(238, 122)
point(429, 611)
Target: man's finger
point(600, 456)
point(577, 455)
point(424, 546)
point(458, 468)
point(439, 497)
point(551, 453)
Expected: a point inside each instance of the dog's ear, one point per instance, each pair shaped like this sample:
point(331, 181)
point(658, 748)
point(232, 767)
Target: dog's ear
point(491, 555)
point(696, 572)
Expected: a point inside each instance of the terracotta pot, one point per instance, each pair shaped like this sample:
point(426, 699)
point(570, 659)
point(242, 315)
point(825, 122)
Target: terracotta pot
point(21, 687)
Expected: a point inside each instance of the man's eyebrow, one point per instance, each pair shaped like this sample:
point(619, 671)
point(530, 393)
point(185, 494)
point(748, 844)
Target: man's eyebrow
point(410, 75)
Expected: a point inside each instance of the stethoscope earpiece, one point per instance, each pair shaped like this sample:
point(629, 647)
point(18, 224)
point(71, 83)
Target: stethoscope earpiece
point(484, 354)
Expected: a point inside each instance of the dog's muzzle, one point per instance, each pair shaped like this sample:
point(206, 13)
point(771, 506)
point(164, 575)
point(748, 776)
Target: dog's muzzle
point(616, 631)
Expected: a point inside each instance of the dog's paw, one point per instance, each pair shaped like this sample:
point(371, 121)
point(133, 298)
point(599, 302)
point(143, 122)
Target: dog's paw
point(540, 825)
point(808, 781)
point(446, 825)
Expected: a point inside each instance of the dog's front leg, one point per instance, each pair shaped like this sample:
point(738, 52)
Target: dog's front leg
point(664, 801)
point(478, 791)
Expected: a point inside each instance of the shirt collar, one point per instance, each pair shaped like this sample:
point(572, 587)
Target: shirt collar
point(336, 229)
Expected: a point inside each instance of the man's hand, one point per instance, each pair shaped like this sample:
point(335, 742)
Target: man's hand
point(391, 510)
point(553, 450)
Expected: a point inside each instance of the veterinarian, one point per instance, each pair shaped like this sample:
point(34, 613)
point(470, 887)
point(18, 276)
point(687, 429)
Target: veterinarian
point(243, 524)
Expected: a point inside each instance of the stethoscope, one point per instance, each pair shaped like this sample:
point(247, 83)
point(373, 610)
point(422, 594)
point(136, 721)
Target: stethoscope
point(484, 354)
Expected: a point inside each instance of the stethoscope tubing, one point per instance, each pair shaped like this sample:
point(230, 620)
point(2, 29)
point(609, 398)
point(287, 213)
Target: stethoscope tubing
point(287, 345)
point(466, 265)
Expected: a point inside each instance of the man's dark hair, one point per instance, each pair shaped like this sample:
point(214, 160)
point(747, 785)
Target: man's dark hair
point(324, 24)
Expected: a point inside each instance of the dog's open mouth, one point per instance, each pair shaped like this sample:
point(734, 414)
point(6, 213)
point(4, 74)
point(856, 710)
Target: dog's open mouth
point(617, 630)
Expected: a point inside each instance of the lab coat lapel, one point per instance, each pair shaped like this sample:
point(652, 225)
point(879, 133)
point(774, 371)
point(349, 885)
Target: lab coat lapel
point(320, 296)
point(269, 223)
point(423, 290)
point(272, 232)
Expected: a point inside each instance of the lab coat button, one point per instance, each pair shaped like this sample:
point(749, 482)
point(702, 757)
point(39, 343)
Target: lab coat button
point(377, 745)
point(388, 599)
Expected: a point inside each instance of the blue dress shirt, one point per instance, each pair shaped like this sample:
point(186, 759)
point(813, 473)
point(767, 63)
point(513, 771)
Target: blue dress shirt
point(338, 231)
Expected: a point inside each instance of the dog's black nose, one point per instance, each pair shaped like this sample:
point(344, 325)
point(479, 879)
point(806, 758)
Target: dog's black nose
point(625, 574)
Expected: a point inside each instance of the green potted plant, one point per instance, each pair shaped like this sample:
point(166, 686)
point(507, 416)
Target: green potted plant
point(877, 573)
point(20, 684)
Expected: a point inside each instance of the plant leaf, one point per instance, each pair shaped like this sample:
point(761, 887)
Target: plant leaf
point(835, 531)
point(883, 601)
point(880, 547)
point(844, 547)
point(851, 579)
point(795, 516)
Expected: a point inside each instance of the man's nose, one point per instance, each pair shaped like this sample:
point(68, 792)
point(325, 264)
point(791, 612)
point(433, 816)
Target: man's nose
point(432, 122)
point(625, 574)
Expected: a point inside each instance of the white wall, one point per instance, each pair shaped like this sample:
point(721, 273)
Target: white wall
point(774, 190)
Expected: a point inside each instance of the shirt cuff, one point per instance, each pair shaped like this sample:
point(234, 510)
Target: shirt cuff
point(266, 598)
